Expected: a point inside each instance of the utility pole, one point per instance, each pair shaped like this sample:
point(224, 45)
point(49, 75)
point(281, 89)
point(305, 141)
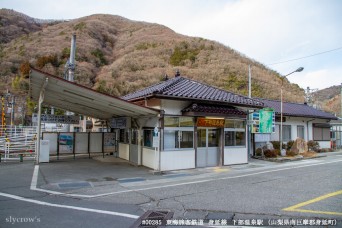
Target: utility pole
point(3, 117)
point(309, 97)
point(12, 110)
point(249, 82)
point(70, 69)
point(249, 136)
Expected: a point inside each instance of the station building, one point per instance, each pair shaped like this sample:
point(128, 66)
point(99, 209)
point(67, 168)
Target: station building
point(199, 126)
point(175, 124)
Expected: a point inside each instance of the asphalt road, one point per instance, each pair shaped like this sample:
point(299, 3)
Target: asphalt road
point(296, 190)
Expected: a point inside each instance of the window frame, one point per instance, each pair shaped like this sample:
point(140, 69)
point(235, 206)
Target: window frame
point(298, 127)
point(283, 133)
point(322, 130)
point(234, 130)
point(179, 129)
point(151, 138)
point(237, 128)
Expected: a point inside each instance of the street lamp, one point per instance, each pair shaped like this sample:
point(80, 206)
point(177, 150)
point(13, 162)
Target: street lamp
point(281, 106)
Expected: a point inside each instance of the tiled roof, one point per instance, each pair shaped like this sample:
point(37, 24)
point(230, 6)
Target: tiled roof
point(296, 109)
point(214, 109)
point(181, 87)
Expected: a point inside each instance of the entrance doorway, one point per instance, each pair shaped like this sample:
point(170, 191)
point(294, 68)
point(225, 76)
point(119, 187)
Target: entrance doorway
point(208, 147)
point(133, 147)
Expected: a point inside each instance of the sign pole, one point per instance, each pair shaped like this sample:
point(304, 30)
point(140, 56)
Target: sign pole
point(155, 145)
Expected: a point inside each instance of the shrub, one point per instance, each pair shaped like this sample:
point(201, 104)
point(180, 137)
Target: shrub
point(289, 144)
point(183, 52)
point(19, 83)
point(290, 153)
point(24, 69)
point(270, 153)
point(313, 145)
point(80, 26)
point(276, 145)
point(99, 54)
point(65, 53)
point(43, 60)
point(277, 152)
point(258, 152)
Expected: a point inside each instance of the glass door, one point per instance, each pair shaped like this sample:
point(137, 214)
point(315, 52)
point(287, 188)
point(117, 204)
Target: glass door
point(208, 152)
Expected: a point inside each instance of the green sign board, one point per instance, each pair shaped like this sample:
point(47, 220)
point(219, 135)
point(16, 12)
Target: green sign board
point(263, 121)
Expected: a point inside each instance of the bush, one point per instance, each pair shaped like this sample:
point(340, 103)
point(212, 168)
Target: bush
point(101, 59)
point(277, 152)
point(313, 145)
point(276, 145)
point(43, 60)
point(182, 53)
point(270, 153)
point(25, 69)
point(290, 153)
point(80, 26)
point(289, 144)
point(258, 152)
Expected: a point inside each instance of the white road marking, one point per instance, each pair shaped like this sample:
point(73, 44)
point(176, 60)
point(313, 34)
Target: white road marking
point(180, 184)
point(34, 178)
point(68, 207)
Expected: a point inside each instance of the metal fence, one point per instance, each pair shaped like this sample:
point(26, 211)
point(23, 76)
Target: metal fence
point(18, 143)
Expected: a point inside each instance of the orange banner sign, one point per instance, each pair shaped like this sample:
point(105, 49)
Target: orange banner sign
point(203, 122)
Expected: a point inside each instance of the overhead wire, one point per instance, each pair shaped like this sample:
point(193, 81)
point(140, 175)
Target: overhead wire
point(304, 57)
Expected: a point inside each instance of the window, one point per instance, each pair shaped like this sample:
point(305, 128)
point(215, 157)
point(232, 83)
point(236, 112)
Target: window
point(178, 121)
point(124, 136)
point(235, 132)
point(286, 133)
point(229, 123)
point(178, 139)
point(178, 132)
point(77, 129)
point(321, 133)
point(148, 137)
point(300, 132)
point(235, 138)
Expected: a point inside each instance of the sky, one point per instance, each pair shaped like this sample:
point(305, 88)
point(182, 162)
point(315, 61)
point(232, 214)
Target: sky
point(272, 32)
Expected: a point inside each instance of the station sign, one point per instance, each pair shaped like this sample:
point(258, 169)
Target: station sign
point(206, 122)
point(62, 119)
point(120, 122)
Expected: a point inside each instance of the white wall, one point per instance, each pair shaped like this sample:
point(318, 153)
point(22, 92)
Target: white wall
point(235, 155)
point(124, 151)
point(173, 107)
point(324, 144)
point(293, 122)
point(149, 157)
point(308, 129)
point(180, 159)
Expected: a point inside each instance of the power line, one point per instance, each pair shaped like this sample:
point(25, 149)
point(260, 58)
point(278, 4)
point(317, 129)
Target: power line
point(308, 56)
